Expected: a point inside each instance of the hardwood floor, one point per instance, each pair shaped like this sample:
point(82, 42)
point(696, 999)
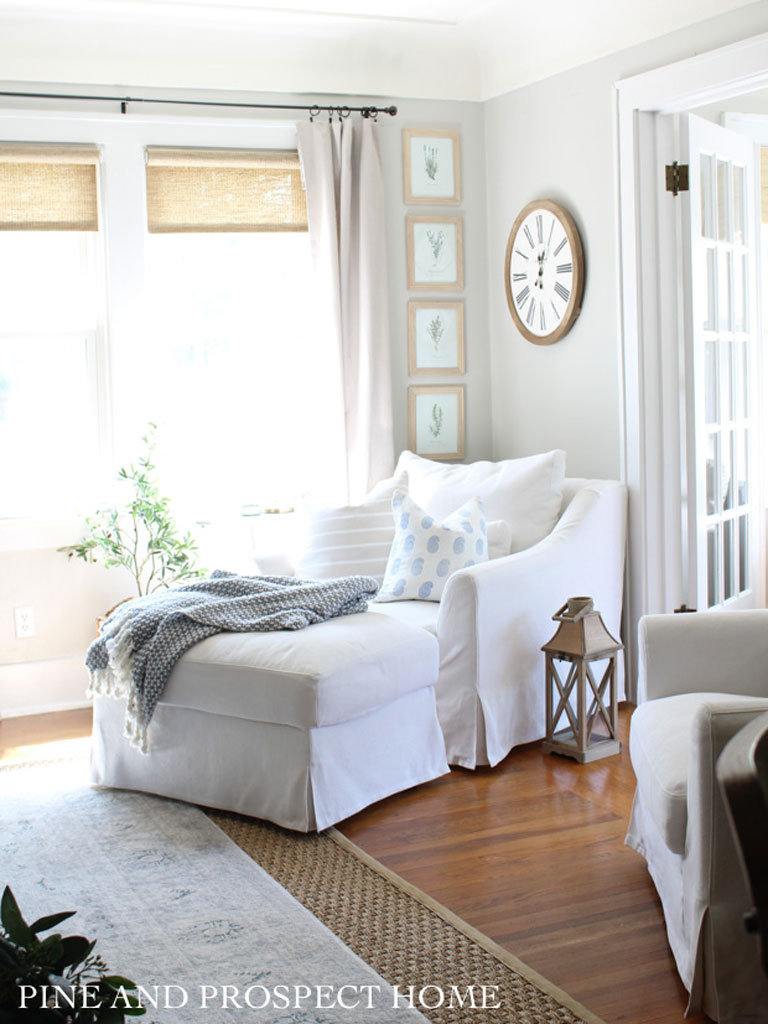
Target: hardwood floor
point(530, 852)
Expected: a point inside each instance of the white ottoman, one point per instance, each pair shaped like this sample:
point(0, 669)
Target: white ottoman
point(302, 728)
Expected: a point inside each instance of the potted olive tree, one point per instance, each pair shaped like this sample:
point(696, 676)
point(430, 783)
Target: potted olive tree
point(142, 536)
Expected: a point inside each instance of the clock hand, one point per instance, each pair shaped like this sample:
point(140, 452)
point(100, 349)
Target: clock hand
point(549, 240)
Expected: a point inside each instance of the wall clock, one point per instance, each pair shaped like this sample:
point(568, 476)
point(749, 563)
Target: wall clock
point(544, 272)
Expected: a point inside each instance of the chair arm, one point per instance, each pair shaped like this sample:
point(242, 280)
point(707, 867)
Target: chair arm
point(494, 617)
point(715, 891)
point(709, 652)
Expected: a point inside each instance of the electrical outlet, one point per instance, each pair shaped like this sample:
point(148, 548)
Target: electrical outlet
point(25, 623)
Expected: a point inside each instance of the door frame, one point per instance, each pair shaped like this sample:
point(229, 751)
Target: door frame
point(717, 75)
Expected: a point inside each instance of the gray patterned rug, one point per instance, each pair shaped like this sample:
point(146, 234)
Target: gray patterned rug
point(179, 908)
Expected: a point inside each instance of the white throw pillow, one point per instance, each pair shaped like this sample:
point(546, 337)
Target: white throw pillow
point(425, 552)
point(499, 539)
point(526, 493)
point(353, 540)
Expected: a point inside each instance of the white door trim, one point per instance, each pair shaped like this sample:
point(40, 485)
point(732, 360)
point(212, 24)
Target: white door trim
point(729, 71)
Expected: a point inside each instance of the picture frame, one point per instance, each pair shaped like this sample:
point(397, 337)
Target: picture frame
point(431, 166)
point(435, 338)
point(435, 251)
point(436, 427)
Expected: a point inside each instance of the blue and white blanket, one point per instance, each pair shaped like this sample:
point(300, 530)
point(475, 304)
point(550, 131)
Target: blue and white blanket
point(144, 638)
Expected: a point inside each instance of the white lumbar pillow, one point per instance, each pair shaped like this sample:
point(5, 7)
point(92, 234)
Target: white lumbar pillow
point(526, 493)
point(351, 540)
point(425, 551)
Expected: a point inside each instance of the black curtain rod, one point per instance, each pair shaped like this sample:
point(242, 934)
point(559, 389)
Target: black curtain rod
point(313, 109)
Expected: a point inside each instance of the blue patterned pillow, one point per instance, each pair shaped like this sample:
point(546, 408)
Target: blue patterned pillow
point(425, 552)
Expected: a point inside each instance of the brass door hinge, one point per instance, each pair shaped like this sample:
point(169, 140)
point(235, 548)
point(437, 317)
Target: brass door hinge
point(676, 178)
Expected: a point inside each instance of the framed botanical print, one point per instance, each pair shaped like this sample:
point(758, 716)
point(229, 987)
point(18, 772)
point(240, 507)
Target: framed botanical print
point(436, 420)
point(435, 338)
point(435, 253)
point(431, 166)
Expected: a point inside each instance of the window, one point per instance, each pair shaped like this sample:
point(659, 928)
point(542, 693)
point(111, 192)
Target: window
point(192, 308)
point(49, 316)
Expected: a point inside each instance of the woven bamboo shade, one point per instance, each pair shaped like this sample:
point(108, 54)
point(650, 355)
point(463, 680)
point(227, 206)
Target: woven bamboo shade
point(224, 190)
point(49, 188)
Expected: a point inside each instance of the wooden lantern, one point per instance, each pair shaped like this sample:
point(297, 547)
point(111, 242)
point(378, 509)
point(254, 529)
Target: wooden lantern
point(591, 730)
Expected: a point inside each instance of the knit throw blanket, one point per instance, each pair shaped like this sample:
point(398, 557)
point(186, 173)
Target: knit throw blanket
point(144, 638)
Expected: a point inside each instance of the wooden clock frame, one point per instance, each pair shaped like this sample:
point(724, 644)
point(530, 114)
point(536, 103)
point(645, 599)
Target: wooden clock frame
point(573, 307)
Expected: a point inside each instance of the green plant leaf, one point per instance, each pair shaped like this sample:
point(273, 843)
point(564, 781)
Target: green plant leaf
point(116, 981)
point(51, 949)
point(16, 927)
point(74, 949)
point(42, 924)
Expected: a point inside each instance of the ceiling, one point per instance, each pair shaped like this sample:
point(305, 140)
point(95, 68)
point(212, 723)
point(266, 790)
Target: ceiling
point(446, 49)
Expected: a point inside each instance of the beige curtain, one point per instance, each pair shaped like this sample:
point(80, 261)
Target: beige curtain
point(347, 229)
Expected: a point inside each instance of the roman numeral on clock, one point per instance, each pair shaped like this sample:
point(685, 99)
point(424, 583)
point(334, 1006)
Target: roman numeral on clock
point(518, 253)
point(531, 311)
point(562, 243)
point(562, 291)
point(542, 319)
point(558, 318)
point(522, 296)
point(528, 235)
point(565, 268)
point(519, 277)
point(540, 227)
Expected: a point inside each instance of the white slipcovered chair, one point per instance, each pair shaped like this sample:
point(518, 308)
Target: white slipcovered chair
point(701, 679)
point(565, 536)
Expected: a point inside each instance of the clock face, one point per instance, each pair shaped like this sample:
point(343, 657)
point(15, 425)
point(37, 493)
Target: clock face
point(544, 272)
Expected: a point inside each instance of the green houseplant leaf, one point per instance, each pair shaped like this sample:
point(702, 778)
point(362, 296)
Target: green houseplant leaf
point(64, 964)
point(42, 924)
point(15, 926)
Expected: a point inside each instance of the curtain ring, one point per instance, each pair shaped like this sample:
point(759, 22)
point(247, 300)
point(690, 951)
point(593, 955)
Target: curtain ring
point(344, 112)
point(314, 112)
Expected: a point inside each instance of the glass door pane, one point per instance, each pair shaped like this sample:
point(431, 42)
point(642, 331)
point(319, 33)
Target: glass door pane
point(723, 267)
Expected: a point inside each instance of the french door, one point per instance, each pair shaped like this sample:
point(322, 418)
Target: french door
point(719, 229)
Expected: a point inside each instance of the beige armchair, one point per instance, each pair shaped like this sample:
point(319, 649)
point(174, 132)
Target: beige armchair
point(702, 678)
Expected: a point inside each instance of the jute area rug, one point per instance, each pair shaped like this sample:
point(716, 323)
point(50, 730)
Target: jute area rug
point(406, 936)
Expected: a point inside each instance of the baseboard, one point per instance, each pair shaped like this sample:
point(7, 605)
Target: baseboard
point(45, 709)
point(37, 687)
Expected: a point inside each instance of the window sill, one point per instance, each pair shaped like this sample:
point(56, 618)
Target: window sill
point(34, 534)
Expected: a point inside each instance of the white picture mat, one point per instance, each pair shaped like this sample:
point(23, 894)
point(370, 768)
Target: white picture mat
point(433, 410)
point(437, 338)
point(432, 160)
point(435, 253)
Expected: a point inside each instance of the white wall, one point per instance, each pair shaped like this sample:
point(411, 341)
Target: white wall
point(46, 671)
point(555, 139)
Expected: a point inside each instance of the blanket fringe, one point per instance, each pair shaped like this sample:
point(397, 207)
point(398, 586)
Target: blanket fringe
point(115, 681)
